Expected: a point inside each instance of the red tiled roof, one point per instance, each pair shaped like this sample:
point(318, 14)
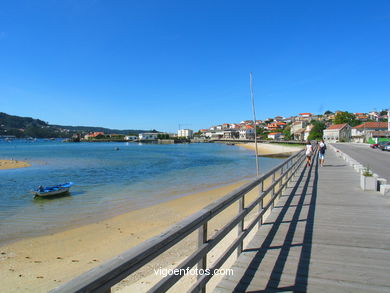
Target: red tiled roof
point(272, 133)
point(372, 125)
point(337, 126)
point(305, 114)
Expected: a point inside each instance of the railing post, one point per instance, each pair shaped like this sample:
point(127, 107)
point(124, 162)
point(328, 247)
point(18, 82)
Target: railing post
point(241, 206)
point(261, 203)
point(281, 181)
point(273, 191)
point(202, 239)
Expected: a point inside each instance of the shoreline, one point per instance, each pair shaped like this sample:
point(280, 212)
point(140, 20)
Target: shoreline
point(271, 150)
point(13, 164)
point(164, 198)
point(44, 262)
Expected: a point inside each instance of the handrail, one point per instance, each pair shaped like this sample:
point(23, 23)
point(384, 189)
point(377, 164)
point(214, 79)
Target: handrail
point(102, 278)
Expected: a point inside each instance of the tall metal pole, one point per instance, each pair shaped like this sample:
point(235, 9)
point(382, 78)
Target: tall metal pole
point(388, 119)
point(254, 121)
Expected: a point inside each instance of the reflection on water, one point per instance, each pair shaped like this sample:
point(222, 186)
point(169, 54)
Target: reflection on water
point(108, 181)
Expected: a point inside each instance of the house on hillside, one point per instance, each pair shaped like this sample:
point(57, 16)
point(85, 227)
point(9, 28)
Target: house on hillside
point(298, 130)
point(361, 116)
point(93, 134)
point(247, 132)
point(275, 126)
point(306, 133)
point(276, 135)
point(374, 115)
point(231, 134)
point(362, 132)
point(337, 132)
point(278, 118)
point(305, 117)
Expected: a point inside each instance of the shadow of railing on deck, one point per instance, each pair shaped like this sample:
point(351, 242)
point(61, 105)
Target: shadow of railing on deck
point(309, 191)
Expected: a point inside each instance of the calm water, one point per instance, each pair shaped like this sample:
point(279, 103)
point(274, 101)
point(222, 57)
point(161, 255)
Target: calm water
point(108, 182)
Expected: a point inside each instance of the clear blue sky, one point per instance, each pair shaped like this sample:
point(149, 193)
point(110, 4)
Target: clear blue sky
point(155, 64)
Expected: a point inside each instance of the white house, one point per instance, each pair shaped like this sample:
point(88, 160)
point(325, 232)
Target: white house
point(306, 133)
point(131, 137)
point(298, 129)
point(275, 135)
point(187, 133)
point(361, 132)
point(247, 132)
point(337, 132)
point(231, 134)
point(148, 136)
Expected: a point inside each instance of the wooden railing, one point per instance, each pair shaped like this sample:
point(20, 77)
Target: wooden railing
point(102, 278)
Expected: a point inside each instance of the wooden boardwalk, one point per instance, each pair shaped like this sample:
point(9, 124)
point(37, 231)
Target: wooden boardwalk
point(324, 235)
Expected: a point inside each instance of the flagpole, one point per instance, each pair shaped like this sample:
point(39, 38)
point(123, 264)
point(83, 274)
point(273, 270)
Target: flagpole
point(254, 121)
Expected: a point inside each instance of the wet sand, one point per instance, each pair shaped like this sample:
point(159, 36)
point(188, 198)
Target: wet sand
point(42, 263)
point(12, 164)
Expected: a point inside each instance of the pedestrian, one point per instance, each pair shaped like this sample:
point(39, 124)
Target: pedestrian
point(321, 154)
point(309, 152)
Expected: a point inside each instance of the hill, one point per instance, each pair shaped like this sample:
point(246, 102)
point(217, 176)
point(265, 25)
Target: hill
point(30, 127)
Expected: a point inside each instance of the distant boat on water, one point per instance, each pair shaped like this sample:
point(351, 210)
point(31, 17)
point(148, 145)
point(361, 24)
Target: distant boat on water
point(59, 189)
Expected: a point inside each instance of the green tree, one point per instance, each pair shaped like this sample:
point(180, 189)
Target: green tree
point(163, 136)
point(383, 112)
point(287, 133)
point(328, 112)
point(317, 131)
point(261, 133)
point(346, 117)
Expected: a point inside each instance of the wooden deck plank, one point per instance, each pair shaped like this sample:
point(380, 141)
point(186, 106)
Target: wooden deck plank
point(325, 235)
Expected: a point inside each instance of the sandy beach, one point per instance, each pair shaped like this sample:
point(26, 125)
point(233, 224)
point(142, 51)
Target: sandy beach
point(12, 164)
point(42, 263)
point(272, 149)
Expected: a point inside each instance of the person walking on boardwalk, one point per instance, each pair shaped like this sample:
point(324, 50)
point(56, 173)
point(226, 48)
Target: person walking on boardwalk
point(309, 152)
point(321, 154)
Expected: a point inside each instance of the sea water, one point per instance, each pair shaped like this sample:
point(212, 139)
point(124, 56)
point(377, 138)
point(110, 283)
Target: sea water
point(108, 181)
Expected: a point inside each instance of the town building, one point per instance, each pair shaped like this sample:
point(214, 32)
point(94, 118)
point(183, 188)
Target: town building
point(148, 136)
point(93, 134)
point(306, 133)
point(187, 133)
point(362, 132)
point(337, 132)
point(373, 115)
point(361, 116)
point(131, 137)
point(231, 134)
point(275, 126)
point(247, 132)
point(278, 118)
point(275, 135)
point(298, 130)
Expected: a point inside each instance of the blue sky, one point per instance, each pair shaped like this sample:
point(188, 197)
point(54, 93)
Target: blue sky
point(155, 64)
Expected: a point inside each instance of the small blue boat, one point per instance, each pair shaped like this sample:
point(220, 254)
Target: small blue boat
point(53, 190)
